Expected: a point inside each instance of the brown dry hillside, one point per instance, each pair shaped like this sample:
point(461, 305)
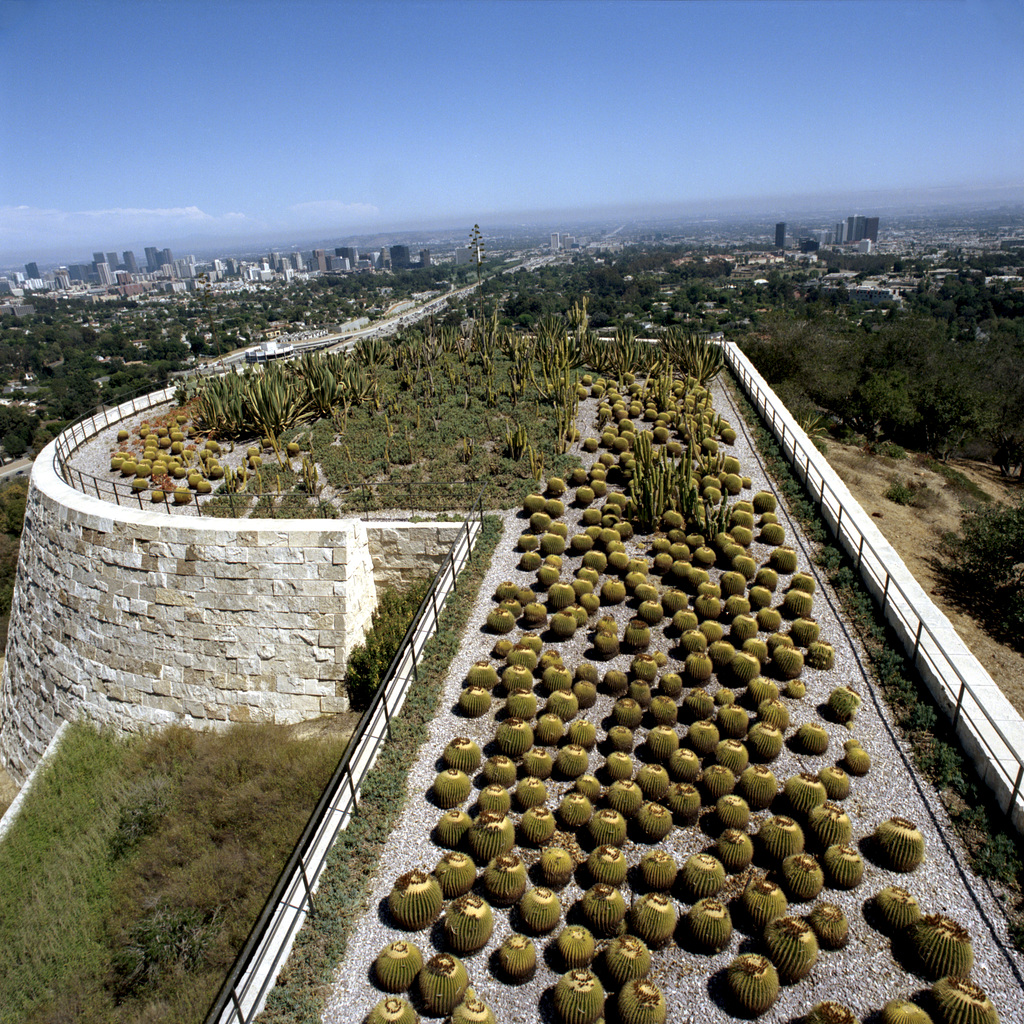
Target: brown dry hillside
point(916, 530)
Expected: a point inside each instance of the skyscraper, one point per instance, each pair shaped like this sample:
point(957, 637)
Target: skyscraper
point(104, 274)
point(424, 257)
point(400, 257)
point(32, 270)
point(871, 228)
point(99, 257)
point(780, 235)
point(112, 261)
point(839, 234)
point(165, 257)
point(555, 241)
point(152, 258)
point(348, 252)
point(129, 262)
point(318, 260)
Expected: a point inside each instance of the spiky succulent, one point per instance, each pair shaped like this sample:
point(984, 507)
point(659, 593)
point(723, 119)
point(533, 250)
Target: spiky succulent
point(960, 1001)
point(942, 946)
point(780, 837)
point(830, 925)
point(803, 876)
point(455, 873)
point(626, 711)
point(662, 741)
point(572, 760)
point(393, 1010)
point(788, 660)
point(607, 827)
point(539, 910)
point(903, 1011)
point(397, 965)
point(763, 901)
point(578, 997)
point(702, 875)
point(556, 864)
point(491, 835)
point(474, 701)
point(627, 959)
point(753, 981)
point(857, 759)
point(792, 947)
point(517, 957)
point(472, 1010)
point(804, 792)
point(765, 740)
point(758, 786)
point(452, 826)
point(812, 738)
point(830, 1012)
point(451, 787)
point(683, 800)
point(658, 869)
point(820, 655)
point(442, 983)
point(653, 781)
point(537, 825)
point(844, 703)
point(835, 781)
point(709, 924)
point(415, 900)
point(625, 796)
point(897, 907)
point(537, 763)
point(604, 908)
point(732, 754)
point(717, 781)
point(830, 824)
point(653, 918)
point(517, 679)
point(576, 946)
point(495, 798)
point(468, 923)
point(619, 765)
point(654, 821)
point(760, 689)
point(844, 866)
point(462, 753)
point(575, 810)
point(703, 737)
point(901, 842)
point(684, 765)
point(732, 811)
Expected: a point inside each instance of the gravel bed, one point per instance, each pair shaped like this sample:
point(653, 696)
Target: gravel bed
point(865, 974)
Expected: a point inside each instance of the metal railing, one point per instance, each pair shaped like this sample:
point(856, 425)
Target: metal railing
point(254, 972)
point(904, 611)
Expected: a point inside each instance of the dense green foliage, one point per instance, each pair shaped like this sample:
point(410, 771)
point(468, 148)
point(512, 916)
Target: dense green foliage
point(988, 554)
point(136, 869)
point(354, 858)
point(370, 660)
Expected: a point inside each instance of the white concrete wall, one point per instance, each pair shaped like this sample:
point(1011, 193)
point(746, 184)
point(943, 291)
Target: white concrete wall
point(987, 725)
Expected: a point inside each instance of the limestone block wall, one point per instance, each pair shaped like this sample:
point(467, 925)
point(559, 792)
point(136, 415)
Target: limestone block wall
point(144, 618)
point(403, 552)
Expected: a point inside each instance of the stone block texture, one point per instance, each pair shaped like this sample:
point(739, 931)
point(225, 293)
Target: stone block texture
point(141, 619)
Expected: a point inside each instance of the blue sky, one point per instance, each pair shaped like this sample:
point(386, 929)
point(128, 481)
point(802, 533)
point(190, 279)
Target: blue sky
point(134, 121)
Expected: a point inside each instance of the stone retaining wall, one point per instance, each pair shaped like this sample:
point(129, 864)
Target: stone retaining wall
point(143, 618)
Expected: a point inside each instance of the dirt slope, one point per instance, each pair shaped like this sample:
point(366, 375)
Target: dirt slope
point(915, 533)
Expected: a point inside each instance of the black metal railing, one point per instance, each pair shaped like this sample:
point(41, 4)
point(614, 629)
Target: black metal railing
point(255, 970)
point(906, 612)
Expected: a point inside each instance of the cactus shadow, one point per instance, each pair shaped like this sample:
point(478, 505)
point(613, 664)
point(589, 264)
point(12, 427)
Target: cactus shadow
point(718, 992)
point(872, 851)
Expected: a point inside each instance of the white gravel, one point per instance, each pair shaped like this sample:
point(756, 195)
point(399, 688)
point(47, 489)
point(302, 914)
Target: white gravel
point(864, 974)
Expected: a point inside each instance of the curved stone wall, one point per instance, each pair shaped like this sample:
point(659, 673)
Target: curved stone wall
point(144, 618)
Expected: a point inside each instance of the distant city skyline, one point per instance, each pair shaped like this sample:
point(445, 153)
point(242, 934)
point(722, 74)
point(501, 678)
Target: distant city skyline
point(236, 122)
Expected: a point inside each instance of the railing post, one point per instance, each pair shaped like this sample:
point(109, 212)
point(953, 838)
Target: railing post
point(917, 639)
point(860, 551)
point(885, 592)
point(959, 704)
point(1016, 789)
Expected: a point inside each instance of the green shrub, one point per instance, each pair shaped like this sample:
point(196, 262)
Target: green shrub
point(370, 660)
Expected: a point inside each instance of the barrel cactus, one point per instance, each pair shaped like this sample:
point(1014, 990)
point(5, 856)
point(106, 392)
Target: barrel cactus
point(857, 760)
point(960, 1001)
point(579, 997)
point(897, 907)
point(753, 981)
point(397, 965)
point(828, 1011)
point(717, 781)
point(844, 703)
point(626, 959)
point(462, 754)
point(452, 826)
point(393, 1010)
point(539, 910)
point(765, 740)
point(442, 983)
point(575, 810)
point(732, 811)
point(903, 1011)
point(830, 925)
point(804, 792)
point(812, 738)
point(625, 796)
point(455, 873)
point(654, 821)
point(468, 923)
point(415, 900)
point(576, 946)
point(942, 946)
point(494, 798)
point(792, 947)
point(658, 870)
point(642, 1002)
point(901, 842)
point(709, 924)
point(763, 901)
point(556, 864)
point(830, 824)
point(517, 957)
point(820, 655)
point(607, 827)
point(758, 786)
point(491, 835)
point(703, 737)
point(653, 918)
point(505, 879)
point(702, 875)
point(835, 781)
point(781, 837)
point(803, 876)
point(844, 866)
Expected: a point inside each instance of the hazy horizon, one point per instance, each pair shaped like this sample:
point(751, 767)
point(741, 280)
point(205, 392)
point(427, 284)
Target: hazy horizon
point(197, 125)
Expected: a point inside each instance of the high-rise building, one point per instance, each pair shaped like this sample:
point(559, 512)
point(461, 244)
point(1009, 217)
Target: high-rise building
point(871, 228)
point(400, 258)
point(780, 235)
point(32, 270)
point(62, 278)
point(129, 262)
point(424, 257)
point(318, 260)
point(462, 255)
point(166, 258)
point(152, 258)
point(839, 233)
point(99, 257)
point(297, 261)
point(555, 241)
point(104, 274)
point(112, 261)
